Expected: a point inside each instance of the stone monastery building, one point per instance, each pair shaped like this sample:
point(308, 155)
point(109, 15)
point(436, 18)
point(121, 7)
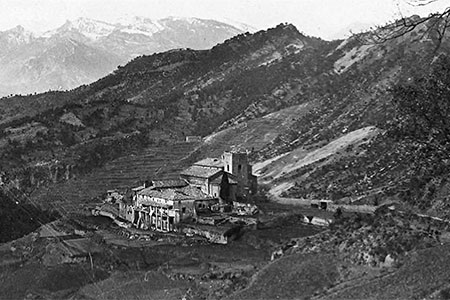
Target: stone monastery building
point(207, 186)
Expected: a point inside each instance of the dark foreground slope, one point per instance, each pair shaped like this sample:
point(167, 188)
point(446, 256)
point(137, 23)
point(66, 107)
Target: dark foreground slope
point(18, 217)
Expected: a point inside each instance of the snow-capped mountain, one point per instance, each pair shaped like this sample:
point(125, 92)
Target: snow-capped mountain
point(92, 29)
point(239, 25)
point(13, 38)
point(140, 25)
point(83, 50)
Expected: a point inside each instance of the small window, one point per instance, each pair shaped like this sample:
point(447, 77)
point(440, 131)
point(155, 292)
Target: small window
point(228, 168)
point(170, 207)
point(183, 210)
point(239, 168)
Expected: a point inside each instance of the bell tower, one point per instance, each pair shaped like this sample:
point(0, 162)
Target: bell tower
point(236, 163)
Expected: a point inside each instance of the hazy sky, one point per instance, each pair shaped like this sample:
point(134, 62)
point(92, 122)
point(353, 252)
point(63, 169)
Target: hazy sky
point(322, 18)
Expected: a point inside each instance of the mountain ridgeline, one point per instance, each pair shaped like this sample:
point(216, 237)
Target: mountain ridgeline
point(317, 115)
point(84, 50)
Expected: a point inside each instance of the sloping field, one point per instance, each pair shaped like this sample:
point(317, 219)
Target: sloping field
point(257, 133)
point(301, 157)
point(122, 173)
point(279, 167)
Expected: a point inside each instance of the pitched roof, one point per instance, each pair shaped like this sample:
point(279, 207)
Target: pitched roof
point(168, 183)
point(180, 193)
point(218, 180)
point(201, 172)
point(210, 162)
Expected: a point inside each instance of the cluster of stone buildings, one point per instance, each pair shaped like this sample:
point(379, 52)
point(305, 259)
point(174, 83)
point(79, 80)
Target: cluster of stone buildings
point(207, 187)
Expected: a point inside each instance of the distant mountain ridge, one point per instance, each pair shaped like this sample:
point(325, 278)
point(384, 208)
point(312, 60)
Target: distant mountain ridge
point(84, 50)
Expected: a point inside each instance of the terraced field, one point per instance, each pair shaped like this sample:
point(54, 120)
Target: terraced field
point(122, 173)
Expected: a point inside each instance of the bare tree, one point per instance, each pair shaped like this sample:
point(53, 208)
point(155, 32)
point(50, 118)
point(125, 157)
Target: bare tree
point(436, 24)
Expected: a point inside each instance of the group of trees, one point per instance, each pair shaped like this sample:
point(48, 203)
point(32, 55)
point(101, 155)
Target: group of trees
point(17, 219)
point(422, 106)
point(422, 102)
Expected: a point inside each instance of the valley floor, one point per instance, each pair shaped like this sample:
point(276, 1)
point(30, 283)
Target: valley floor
point(81, 257)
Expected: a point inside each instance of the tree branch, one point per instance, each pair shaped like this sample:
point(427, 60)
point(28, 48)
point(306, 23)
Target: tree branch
point(436, 23)
point(420, 2)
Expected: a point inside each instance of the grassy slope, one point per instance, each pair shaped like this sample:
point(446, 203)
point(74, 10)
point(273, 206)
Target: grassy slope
point(277, 172)
point(256, 133)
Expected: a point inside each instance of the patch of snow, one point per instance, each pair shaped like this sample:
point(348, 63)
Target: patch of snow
point(239, 25)
point(142, 25)
point(136, 31)
point(92, 29)
point(183, 19)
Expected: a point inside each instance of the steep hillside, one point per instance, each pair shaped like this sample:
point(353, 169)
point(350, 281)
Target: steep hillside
point(315, 114)
point(339, 143)
point(153, 100)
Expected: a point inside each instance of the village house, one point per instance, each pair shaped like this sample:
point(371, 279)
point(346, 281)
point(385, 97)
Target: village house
point(161, 205)
point(193, 139)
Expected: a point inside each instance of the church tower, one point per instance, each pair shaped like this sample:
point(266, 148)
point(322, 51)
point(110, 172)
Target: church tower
point(236, 163)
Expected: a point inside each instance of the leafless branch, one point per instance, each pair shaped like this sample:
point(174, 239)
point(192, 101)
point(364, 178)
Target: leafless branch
point(435, 24)
point(420, 2)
